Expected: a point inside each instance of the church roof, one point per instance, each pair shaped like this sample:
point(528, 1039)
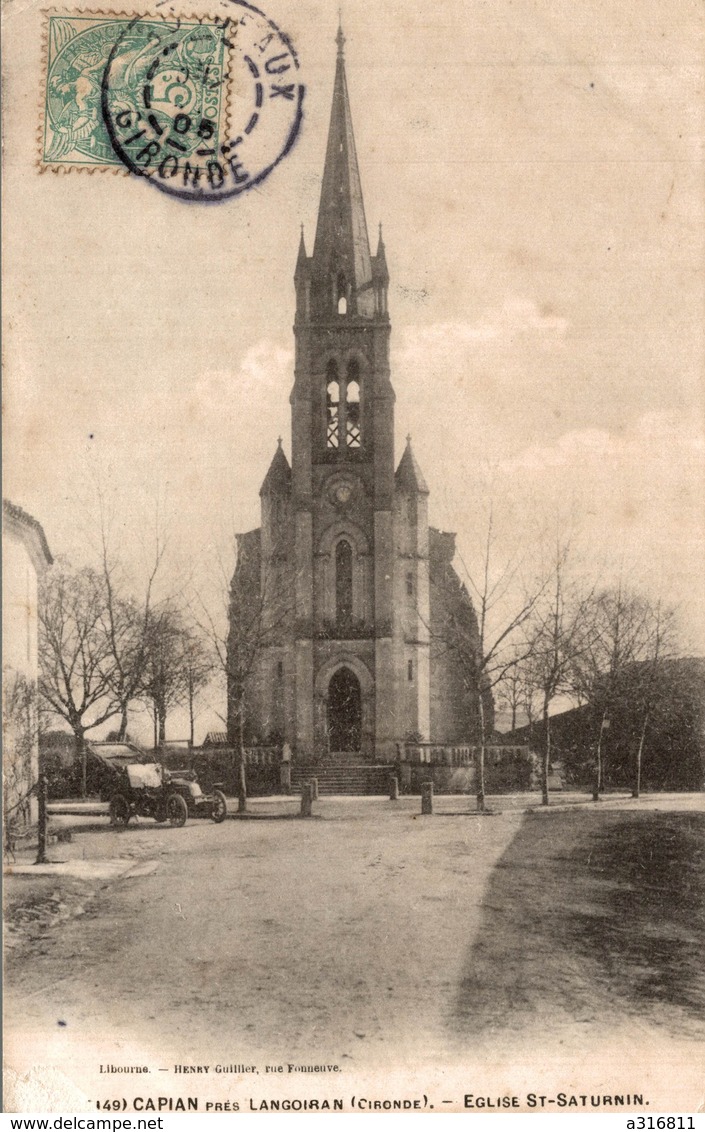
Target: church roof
point(409, 476)
point(341, 233)
point(441, 545)
point(278, 478)
point(216, 739)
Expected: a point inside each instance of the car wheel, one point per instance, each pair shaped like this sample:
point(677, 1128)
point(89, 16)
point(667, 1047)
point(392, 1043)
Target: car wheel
point(176, 810)
point(119, 811)
point(220, 807)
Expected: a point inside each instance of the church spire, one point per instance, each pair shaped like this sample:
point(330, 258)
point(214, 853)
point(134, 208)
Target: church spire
point(341, 252)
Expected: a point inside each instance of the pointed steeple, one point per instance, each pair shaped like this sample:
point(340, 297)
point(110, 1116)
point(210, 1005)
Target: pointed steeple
point(380, 264)
point(409, 476)
point(278, 478)
point(301, 259)
point(341, 252)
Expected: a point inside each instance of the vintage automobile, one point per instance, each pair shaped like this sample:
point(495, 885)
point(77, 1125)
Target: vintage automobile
point(135, 785)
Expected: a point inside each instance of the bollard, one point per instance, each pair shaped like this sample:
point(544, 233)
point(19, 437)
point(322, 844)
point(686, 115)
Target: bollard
point(285, 778)
point(393, 789)
point(426, 797)
point(314, 789)
point(306, 800)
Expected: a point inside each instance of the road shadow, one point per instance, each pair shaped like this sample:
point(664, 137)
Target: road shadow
point(588, 919)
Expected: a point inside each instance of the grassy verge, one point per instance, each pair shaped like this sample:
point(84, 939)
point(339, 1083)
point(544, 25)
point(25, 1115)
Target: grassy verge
point(590, 918)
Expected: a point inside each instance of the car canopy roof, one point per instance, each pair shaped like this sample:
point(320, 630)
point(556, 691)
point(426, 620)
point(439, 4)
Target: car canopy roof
point(116, 756)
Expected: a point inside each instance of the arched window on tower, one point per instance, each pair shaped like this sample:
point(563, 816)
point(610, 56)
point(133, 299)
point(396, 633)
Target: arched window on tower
point(342, 289)
point(343, 583)
point(352, 406)
point(332, 407)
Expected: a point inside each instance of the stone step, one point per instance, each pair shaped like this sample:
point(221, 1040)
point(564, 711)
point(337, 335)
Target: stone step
point(341, 781)
point(345, 779)
point(338, 777)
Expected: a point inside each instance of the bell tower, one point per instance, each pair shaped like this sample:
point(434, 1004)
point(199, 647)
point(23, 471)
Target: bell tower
point(351, 596)
point(343, 483)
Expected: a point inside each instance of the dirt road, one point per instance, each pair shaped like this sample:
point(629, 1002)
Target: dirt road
point(368, 937)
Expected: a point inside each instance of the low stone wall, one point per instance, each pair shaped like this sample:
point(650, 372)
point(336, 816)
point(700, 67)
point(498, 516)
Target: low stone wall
point(453, 770)
point(218, 764)
point(446, 780)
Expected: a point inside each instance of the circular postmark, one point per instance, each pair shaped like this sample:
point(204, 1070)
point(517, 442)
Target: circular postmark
point(204, 109)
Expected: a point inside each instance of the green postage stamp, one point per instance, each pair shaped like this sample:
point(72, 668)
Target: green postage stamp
point(182, 62)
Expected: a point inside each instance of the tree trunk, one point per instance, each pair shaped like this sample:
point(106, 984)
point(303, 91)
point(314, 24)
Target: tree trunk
point(162, 725)
point(598, 761)
point(42, 822)
point(481, 761)
point(156, 726)
point(191, 717)
point(82, 755)
point(639, 753)
point(240, 763)
point(41, 841)
point(122, 733)
point(546, 752)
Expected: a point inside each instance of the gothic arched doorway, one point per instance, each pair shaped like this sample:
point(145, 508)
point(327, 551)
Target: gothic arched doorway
point(344, 711)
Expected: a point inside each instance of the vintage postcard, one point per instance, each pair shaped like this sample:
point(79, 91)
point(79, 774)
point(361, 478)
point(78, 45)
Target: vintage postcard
point(353, 607)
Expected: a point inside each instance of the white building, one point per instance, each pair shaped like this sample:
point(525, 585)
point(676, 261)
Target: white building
point(25, 557)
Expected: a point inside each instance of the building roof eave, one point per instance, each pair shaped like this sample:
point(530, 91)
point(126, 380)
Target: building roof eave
point(31, 531)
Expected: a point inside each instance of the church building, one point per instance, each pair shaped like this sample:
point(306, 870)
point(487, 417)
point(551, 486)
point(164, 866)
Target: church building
point(346, 612)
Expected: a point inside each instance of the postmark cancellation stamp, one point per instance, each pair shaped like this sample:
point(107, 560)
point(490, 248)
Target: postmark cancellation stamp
point(203, 108)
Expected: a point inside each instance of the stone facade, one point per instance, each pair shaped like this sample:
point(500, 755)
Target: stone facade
point(340, 597)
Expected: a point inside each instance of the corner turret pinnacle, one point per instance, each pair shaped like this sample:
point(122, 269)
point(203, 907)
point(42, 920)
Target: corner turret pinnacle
point(301, 259)
point(278, 478)
point(409, 476)
point(380, 263)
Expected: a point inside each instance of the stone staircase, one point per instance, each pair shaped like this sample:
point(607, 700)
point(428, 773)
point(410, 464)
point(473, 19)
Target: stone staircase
point(343, 778)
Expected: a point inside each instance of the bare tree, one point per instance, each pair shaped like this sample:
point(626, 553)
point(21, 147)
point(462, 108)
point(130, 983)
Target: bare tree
point(178, 664)
point(166, 676)
point(516, 692)
point(487, 644)
point(75, 662)
point(558, 638)
point(128, 627)
point(661, 641)
point(257, 608)
point(198, 663)
point(622, 634)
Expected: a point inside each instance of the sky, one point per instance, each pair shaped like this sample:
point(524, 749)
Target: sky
point(538, 172)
